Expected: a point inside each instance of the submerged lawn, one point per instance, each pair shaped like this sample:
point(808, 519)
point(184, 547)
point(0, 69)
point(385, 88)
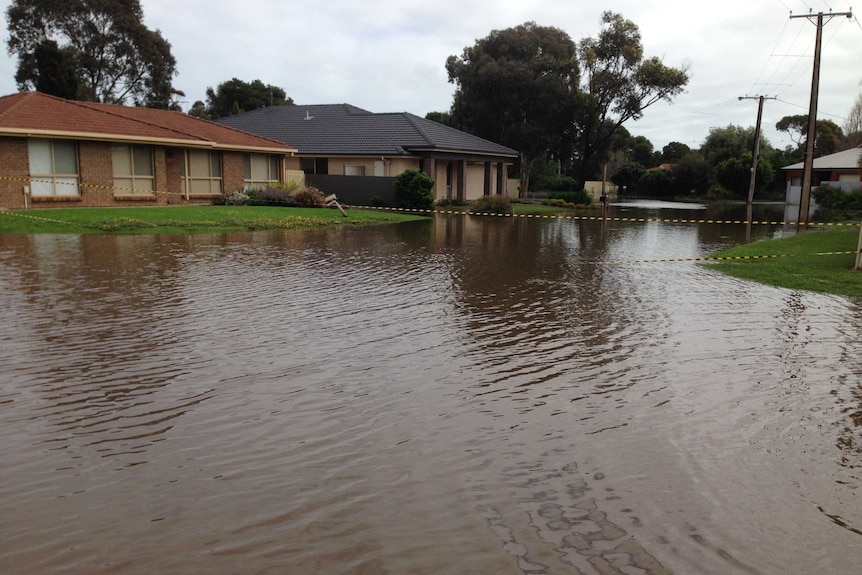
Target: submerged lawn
point(814, 260)
point(187, 219)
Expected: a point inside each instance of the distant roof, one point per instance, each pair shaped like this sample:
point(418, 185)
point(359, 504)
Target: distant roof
point(342, 129)
point(846, 160)
point(37, 114)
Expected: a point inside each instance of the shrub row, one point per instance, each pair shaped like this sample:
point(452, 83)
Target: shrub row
point(280, 195)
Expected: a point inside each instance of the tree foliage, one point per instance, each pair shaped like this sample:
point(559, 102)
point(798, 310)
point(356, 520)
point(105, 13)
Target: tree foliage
point(100, 49)
point(728, 154)
point(617, 85)
point(444, 118)
point(853, 124)
point(627, 176)
point(673, 152)
point(516, 87)
point(730, 142)
point(690, 175)
point(55, 71)
point(235, 96)
point(656, 183)
point(829, 137)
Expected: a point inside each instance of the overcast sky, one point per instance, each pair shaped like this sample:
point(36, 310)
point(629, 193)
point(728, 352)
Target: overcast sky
point(389, 56)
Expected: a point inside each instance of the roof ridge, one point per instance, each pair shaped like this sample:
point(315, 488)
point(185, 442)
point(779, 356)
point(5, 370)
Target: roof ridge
point(21, 97)
point(110, 109)
point(419, 129)
point(98, 107)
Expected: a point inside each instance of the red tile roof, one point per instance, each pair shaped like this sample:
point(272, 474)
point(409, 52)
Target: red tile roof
point(37, 114)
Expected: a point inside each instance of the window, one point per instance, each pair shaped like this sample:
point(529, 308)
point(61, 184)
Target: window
point(259, 170)
point(133, 169)
point(53, 167)
point(201, 173)
point(354, 170)
point(314, 165)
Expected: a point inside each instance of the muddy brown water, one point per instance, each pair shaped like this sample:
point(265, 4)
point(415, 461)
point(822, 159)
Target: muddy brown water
point(462, 395)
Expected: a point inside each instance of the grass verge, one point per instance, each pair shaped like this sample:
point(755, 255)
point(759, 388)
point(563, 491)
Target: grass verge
point(816, 260)
point(186, 219)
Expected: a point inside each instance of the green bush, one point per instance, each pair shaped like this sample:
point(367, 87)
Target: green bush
point(836, 204)
point(580, 197)
point(413, 190)
point(493, 205)
point(558, 203)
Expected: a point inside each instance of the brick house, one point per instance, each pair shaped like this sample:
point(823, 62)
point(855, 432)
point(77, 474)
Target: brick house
point(840, 170)
point(63, 153)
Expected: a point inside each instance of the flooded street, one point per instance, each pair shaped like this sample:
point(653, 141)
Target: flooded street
point(463, 395)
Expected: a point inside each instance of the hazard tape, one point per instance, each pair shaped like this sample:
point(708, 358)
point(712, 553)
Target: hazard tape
point(719, 259)
point(613, 219)
point(704, 259)
point(132, 191)
point(37, 218)
point(559, 217)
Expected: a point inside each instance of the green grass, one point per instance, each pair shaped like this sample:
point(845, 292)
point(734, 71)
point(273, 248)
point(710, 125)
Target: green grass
point(186, 219)
point(813, 260)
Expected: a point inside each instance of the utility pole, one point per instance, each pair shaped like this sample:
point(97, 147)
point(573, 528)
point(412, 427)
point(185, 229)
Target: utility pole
point(805, 200)
point(755, 154)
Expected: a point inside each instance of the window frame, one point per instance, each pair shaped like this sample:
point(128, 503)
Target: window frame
point(214, 180)
point(133, 177)
point(40, 181)
point(250, 176)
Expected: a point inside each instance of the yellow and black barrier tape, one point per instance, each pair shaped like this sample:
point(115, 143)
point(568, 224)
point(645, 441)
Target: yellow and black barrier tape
point(615, 218)
point(25, 215)
point(118, 190)
point(717, 259)
point(702, 259)
point(144, 194)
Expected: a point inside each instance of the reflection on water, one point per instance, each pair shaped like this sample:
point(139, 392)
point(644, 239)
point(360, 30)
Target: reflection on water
point(461, 395)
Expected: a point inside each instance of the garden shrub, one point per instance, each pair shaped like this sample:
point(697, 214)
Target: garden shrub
point(413, 190)
point(451, 202)
point(581, 197)
point(836, 204)
point(558, 203)
point(493, 205)
point(309, 197)
point(274, 197)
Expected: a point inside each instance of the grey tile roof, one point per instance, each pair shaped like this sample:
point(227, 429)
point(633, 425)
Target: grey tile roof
point(342, 129)
point(845, 160)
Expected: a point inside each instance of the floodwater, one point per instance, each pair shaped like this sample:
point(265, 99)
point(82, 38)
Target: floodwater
point(463, 395)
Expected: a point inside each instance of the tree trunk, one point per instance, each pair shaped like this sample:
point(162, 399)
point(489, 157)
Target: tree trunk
point(525, 177)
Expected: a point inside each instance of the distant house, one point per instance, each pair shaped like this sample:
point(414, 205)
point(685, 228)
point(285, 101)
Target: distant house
point(342, 148)
point(840, 169)
point(63, 153)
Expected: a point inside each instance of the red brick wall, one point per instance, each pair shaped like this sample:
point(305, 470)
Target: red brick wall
point(96, 178)
point(14, 169)
point(232, 172)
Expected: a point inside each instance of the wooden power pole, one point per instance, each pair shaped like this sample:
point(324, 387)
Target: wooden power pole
point(755, 154)
point(805, 199)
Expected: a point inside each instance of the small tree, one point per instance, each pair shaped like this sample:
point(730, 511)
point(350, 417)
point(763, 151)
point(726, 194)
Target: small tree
point(413, 190)
point(656, 183)
point(627, 176)
point(235, 96)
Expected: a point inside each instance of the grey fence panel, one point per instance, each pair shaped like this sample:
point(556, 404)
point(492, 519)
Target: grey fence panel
point(356, 190)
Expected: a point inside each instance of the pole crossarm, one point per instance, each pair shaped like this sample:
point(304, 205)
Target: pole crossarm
point(828, 15)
